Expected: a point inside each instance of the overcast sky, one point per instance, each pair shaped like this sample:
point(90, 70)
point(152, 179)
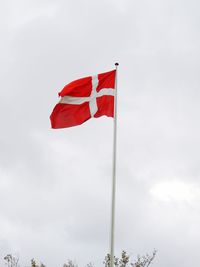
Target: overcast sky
point(55, 185)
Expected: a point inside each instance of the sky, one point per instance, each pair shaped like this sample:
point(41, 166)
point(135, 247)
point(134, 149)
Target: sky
point(55, 185)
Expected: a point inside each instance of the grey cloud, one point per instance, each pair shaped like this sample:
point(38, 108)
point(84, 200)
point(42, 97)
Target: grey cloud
point(55, 185)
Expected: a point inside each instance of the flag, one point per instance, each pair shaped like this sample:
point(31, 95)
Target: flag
point(85, 98)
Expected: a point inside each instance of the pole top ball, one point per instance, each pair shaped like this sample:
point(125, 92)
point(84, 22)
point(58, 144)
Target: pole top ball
point(116, 64)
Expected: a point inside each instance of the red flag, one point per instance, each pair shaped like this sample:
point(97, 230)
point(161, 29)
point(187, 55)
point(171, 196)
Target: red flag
point(84, 98)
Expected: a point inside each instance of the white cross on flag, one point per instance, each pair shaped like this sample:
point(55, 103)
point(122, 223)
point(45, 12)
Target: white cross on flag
point(84, 98)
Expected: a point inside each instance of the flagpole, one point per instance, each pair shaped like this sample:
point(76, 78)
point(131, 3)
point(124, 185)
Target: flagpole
point(112, 230)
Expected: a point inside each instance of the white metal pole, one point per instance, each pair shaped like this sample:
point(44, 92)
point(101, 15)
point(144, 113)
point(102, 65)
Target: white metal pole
point(112, 231)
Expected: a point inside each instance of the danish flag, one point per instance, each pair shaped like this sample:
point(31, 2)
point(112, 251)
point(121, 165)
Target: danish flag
point(85, 98)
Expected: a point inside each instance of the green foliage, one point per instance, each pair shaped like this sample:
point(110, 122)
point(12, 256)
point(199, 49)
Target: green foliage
point(124, 261)
point(70, 263)
point(144, 261)
point(33, 264)
point(11, 261)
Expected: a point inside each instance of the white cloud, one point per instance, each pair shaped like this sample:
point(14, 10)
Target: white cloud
point(23, 12)
point(176, 191)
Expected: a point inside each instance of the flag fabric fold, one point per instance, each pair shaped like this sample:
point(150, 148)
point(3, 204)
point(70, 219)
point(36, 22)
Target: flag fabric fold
point(82, 99)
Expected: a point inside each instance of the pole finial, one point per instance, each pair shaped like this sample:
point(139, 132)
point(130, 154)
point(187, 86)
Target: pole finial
point(116, 64)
